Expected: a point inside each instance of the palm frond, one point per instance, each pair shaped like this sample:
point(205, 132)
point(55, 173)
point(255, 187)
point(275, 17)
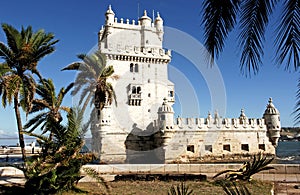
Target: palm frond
point(73, 66)
point(6, 53)
point(288, 37)
point(219, 18)
point(254, 19)
point(296, 111)
point(234, 188)
point(94, 174)
point(35, 122)
point(12, 36)
point(181, 189)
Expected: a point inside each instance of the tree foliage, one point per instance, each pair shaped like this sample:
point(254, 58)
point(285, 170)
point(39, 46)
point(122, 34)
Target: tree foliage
point(58, 168)
point(21, 54)
point(92, 80)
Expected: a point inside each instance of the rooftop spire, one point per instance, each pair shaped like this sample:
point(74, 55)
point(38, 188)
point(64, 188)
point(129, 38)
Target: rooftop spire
point(109, 10)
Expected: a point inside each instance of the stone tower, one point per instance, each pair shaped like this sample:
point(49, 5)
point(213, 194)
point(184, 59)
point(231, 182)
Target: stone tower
point(272, 120)
point(135, 51)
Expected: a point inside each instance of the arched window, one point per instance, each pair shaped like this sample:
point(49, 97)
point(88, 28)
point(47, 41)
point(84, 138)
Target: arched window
point(138, 90)
point(131, 67)
point(134, 89)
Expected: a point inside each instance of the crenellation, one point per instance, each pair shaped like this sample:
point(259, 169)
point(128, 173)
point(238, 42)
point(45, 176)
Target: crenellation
point(219, 123)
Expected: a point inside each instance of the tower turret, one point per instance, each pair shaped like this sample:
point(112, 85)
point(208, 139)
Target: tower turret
point(159, 25)
point(145, 20)
point(109, 16)
point(272, 120)
point(243, 118)
point(166, 115)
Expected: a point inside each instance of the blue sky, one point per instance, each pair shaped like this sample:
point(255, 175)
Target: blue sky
point(76, 24)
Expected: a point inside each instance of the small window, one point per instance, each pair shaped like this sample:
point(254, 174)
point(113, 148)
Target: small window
point(245, 147)
point(149, 110)
point(226, 147)
point(136, 68)
point(190, 148)
point(148, 65)
point(208, 148)
point(134, 90)
point(171, 93)
point(262, 147)
point(148, 80)
point(131, 67)
point(149, 94)
point(162, 117)
point(138, 90)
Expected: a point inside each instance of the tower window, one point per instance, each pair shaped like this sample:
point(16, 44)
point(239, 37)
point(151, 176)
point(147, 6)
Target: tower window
point(149, 94)
point(136, 68)
point(208, 148)
point(134, 90)
point(262, 147)
point(171, 94)
point(226, 147)
point(135, 96)
point(190, 148)
point(131, 67)
point(148, 80)
point(245, 147)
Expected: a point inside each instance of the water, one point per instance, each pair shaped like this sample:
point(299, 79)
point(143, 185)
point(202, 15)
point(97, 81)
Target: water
point(287, 152)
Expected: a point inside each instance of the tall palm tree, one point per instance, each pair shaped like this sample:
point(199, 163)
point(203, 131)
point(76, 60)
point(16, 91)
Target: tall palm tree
point(48, 107)
point(220, 17)
point(21, 55)
point(92, 82)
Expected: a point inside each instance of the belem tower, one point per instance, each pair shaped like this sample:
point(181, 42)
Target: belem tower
point(141, 128)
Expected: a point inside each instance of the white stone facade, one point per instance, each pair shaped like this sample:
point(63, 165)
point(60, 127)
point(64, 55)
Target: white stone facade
point(141, 128)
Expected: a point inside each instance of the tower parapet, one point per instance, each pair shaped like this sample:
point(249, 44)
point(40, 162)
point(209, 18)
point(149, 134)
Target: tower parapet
point(141, 41)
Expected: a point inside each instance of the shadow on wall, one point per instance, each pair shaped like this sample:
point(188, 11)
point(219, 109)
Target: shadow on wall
point(144, 147)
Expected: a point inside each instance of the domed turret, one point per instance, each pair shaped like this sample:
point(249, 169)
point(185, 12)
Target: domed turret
point(145, 20)
point(166, 115)
point(158, 22)
point(243, 118)
point(272, 120)
point(110, 16)
point(159, 25)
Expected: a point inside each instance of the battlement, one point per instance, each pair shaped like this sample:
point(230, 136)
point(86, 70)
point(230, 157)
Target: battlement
point(131, 24)
point(220, 123)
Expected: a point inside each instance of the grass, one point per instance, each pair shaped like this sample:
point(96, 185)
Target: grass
point(149, 187)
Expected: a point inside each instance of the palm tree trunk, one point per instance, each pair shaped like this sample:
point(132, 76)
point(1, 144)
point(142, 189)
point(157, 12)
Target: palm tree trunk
point(20, 128)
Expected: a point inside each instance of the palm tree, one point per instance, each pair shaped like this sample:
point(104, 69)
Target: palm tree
point(220, 17)
point(92, 80)
point(21, 55)
point(53, 103)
